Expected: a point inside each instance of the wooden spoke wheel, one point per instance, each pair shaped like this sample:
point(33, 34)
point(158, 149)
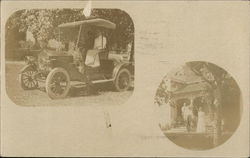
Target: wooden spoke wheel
point(123, 80)
point(58, 83)
point(28, 80)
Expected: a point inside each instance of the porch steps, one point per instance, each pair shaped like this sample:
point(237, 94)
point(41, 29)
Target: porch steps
point(181, 129)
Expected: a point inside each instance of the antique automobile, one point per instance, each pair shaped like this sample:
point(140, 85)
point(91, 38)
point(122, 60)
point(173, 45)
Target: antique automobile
point(58, 68)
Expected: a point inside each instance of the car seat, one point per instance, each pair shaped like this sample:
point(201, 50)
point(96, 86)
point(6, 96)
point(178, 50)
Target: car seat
point(92, 58)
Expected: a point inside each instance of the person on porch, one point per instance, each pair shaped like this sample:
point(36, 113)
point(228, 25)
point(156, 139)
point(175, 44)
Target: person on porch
point(189, 115)
point(184, 112)
point(201, 121)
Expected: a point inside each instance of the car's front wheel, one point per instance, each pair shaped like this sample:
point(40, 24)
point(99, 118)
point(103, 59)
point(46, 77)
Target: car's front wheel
point(58, 83)
point(123, 80)
point(27, 79)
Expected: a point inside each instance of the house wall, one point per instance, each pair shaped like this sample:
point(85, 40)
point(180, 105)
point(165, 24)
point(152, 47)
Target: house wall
point(190, 99)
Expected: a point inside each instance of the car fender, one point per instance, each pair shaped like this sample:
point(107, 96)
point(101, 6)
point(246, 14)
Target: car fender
point(72, 70)
point(27, 67)
point(118, 67)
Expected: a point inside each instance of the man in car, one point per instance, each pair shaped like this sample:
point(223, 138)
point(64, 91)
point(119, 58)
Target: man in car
point(85, 43)
point(100, 41)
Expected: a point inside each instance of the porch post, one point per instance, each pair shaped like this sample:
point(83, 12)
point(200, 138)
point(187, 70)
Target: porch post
point(191, 100)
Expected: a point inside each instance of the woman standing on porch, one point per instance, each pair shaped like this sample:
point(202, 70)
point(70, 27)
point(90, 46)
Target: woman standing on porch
point(201, 121)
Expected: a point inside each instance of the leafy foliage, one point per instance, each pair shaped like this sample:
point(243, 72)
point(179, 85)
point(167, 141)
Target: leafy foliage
point(124, 32)
point(209, 72)
point(42, 22)
point(163, 95)
point(223, 85)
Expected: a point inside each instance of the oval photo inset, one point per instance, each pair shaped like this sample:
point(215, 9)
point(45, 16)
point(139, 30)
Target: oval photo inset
point(199, 105)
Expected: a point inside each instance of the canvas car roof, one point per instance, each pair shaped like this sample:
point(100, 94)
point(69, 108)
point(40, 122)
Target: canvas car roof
point(93, 22)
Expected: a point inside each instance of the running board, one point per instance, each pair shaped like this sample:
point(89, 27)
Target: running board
point(79, 82)
point(102, 81)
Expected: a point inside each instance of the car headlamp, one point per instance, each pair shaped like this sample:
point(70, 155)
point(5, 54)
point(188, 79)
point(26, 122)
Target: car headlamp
point(30, 59)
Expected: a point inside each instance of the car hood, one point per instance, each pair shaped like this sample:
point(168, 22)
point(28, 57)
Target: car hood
point(46, 54)
point(54, 53)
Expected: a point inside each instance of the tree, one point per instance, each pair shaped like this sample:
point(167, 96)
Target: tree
point(218, 79)
point(13, 35)
point(161, 95)
point(124, 32)
point(42, 22)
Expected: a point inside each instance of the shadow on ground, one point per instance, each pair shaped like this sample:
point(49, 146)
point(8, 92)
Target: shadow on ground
point(100, 94)
point(195, 141)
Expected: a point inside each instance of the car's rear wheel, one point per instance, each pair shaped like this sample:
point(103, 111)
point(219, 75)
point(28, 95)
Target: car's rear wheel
point(27, 79)
point(123, 80)
point(58, 83)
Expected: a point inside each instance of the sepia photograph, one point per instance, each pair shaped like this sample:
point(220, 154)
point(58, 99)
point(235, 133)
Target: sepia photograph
point(199, 105)
point(69, 53)
point(91, 78)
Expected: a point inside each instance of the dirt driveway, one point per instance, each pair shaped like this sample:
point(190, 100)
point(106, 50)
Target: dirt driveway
point(76, 96)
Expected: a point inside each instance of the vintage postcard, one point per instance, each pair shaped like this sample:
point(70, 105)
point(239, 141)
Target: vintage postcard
point(125, 78)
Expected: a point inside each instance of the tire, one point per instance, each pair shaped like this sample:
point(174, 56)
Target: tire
point(123, 80)
point(58, 83)
point(27, 79)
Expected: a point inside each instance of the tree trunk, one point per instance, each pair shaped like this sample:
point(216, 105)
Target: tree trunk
point(217, 129)
point(36, 45)
point(217, 117)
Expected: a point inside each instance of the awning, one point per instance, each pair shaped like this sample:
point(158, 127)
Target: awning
point(202, 86)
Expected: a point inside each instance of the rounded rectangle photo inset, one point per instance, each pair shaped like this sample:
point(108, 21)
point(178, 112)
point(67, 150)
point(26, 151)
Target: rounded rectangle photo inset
point(77, 56)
